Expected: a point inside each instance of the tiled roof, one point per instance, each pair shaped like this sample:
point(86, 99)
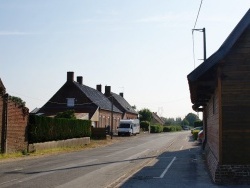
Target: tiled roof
point(157, 118)
point(97, 97)
point(223, 50)
point(124, 104)
point(2, 88)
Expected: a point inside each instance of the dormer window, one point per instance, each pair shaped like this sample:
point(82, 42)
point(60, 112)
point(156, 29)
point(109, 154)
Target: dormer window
point(70, 102)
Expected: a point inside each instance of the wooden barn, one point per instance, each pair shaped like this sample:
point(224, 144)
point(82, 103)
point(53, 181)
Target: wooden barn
point(220, 88)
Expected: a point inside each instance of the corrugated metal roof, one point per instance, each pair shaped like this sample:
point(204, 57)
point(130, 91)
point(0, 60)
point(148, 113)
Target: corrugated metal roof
point(223, 50)
point(97, 97)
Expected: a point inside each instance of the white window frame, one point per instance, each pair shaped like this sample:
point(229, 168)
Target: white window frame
point(70, 102)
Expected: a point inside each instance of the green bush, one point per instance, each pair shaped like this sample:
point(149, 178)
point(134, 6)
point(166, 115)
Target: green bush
point(172, 128)
point(156, 128)
point(195, 134)
point(198, 124)
point(144, 125)
point(42, 129)
point(167, 128)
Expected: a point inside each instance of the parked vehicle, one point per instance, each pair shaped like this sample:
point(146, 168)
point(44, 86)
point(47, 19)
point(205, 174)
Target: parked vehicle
point(201, 136)
point(129, 127)
point(185, 127)
point(196, 128)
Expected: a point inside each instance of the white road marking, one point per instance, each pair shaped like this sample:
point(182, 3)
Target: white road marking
point(8, 181)
point(165, 171)
point(181, 148)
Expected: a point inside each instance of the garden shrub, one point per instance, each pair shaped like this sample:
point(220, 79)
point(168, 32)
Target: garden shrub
point(144, 125)
point(195, 134)
point(172, 128)
point(42, 129)
point(156, 128)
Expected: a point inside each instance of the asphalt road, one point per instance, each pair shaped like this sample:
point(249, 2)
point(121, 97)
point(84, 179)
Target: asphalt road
point(100, 167)
point(147, 160)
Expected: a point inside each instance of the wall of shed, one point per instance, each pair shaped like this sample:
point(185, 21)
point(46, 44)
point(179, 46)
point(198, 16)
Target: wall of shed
point(213, 125)
point(236, 103)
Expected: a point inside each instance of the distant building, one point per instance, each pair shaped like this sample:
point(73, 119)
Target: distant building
point(88, 103)
point(156, 119)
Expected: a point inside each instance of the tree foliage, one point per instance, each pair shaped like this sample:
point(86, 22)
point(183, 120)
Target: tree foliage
point(191, 118)
point(184, 122)
point(145, 115)
point(69, 114)
point(17, 100)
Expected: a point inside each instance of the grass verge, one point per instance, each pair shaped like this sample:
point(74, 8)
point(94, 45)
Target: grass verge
point(54, 151)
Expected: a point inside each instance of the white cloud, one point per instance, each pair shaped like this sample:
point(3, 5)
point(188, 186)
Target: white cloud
point(15, 33)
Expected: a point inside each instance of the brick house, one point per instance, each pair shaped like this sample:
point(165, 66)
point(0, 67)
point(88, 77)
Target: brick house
point(120, 102)
point(156, 119)
point(220, 88)
point(88, 103)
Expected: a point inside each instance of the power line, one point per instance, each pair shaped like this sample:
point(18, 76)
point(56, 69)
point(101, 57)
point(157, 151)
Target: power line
point(198, 14)
point(193, 31)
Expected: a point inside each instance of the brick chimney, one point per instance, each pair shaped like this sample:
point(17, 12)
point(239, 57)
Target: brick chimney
point(121, 94)
point(107, 90)
point(79, 79)
point(70, 76)
point(99, 87)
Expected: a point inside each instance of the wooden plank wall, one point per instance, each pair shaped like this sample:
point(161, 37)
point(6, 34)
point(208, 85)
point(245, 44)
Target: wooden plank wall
point(236, 103)
point(213, 125)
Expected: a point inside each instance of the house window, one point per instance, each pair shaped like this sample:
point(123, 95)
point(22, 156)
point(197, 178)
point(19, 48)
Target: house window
point(70, 102)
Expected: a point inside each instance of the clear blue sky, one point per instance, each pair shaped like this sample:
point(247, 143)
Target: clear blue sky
point(143, 48)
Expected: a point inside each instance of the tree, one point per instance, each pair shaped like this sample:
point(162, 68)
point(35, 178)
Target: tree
point(69, 114)
point(178, 121)
point(191, 118)
point(145, 115)
point(185, 122)
point(134, 107)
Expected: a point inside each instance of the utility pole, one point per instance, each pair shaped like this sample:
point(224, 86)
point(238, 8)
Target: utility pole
point(204, 42)
point(112, 106)
point(205, 57)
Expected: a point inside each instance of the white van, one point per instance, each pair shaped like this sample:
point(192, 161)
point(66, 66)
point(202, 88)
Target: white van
point(129, 127)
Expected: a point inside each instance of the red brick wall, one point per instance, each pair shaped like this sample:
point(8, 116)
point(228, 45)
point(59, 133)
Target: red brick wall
point(1, 122)
point(104, 119)
point(16, 126)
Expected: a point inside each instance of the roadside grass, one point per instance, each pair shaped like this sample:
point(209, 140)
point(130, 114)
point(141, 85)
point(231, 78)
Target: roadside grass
point(54, 151)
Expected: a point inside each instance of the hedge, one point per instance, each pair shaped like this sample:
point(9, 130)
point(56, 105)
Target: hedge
point(42, 129)
point(172, 128)
point(144, 125)
point(156, 128)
